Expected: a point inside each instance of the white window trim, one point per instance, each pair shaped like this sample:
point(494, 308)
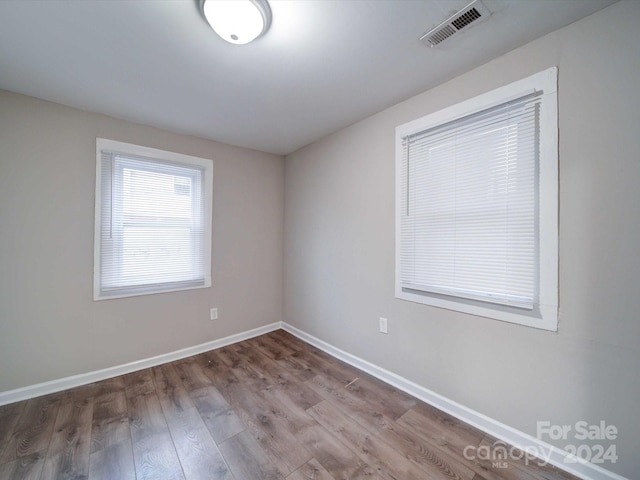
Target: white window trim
point(545, 316)
point(156, 154)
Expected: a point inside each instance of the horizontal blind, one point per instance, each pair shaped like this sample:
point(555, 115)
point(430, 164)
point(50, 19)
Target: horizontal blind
point(468, 206)
point(152, 232)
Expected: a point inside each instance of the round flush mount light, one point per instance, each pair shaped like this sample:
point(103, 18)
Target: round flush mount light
point(237, 21)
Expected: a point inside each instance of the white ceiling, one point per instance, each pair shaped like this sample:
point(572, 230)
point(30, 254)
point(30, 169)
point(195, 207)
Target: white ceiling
point(323, 65)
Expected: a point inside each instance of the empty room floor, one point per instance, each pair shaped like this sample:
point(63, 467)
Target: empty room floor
point(272, 407)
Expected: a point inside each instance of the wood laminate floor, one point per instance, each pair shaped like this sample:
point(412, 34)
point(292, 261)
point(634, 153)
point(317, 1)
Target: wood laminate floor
point(272, 407)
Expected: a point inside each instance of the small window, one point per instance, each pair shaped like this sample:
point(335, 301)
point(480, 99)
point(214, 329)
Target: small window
point(477, 205)
point(153, 221)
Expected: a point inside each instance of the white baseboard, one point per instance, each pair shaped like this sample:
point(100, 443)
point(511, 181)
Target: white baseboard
point(59, 385)
point(525, 442)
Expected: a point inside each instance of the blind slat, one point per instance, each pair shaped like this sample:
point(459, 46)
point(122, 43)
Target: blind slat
point(468, 224)
point(152, 226)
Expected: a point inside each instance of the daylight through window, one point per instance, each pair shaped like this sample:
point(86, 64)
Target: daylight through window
point(477, 205)
point(153, 227)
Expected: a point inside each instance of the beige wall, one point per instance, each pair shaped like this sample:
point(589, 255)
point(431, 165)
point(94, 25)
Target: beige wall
point(49, 325)
point(339, 248)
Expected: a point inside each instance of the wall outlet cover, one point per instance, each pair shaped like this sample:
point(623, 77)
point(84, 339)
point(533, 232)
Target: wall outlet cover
point(383, 325)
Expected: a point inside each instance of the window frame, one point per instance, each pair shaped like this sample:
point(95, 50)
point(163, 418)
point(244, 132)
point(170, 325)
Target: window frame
point(544, 315)
point(160, 156)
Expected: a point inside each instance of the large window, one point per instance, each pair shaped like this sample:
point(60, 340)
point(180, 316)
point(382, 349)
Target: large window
point(153, 221)
point(477, 203)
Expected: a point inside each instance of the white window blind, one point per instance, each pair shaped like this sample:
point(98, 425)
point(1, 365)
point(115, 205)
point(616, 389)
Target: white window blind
point(153, 233)
point(468, 213)
point(477, 205)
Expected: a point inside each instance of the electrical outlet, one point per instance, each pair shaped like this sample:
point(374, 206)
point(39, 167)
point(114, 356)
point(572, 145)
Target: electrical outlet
point(383, 325)
point(213, 314)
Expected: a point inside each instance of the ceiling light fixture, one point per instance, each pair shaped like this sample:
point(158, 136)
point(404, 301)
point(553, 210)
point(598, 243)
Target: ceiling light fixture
point(237, 21)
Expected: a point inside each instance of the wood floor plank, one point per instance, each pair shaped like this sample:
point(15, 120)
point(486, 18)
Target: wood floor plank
point(428, 451)
point(247, 460)
point(426, 455)
point(155, 458)
point(34, 428)
point(282, 379)
point(211, 363)
point(284, 450)
point(373, 405)
point(220, 418)
point(290, 341)
point(154, 453)
point(517, 464)
point(68, 454)
point(139, 383)
point(253, 377)
point(229, 356)
point(446, 421)
point(110, 385)
point(312, 470)
point(225, 382)
point(448, 432)
point(146, 416)
point(267, 346)
point(115, 461)
point(265, 365)
point(298, 393)
point(27, 467)
point(335, 457)
point(198, 453)
point(385, 398)
point(288, 414)
point(387, 461)
point(453, 436)
point(495, 471)
point(73, 426)
point(335, 392)
point(82, 392)
point(297, 367)
point(243, 348)
point(12, 409)
point(323, 364)
point(192, 375)
point(170, 390)
point(110, 424)
point(213, 368)
point(9, 417)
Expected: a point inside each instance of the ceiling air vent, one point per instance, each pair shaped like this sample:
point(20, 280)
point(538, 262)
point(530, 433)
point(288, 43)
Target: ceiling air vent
point(472, 14)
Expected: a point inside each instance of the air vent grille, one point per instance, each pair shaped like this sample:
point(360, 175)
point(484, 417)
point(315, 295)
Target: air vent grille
point(442, 34)
point(466, 18)
point(472, 14)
